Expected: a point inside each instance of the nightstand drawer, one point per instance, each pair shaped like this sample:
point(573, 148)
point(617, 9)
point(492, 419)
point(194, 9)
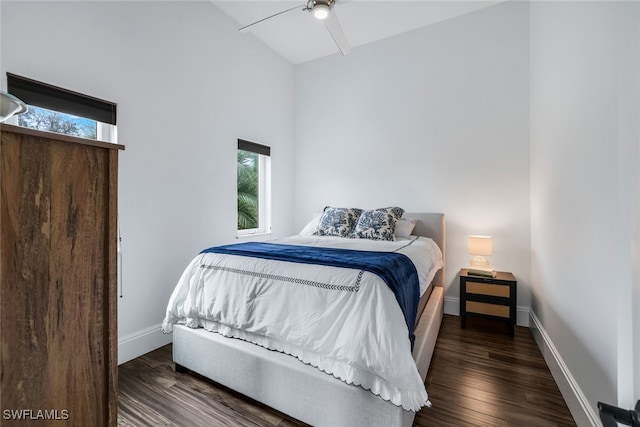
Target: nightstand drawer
point(488, 309)
point(488, 289)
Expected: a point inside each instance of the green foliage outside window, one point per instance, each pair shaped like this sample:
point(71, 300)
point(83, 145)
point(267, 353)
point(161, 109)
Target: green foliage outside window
point(247, 190)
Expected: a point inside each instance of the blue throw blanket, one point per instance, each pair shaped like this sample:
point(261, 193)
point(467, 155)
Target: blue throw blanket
point(397, 270)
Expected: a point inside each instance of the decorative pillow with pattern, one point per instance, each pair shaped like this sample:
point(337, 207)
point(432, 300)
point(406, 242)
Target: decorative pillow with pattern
point(338, 221)
point(378, 224)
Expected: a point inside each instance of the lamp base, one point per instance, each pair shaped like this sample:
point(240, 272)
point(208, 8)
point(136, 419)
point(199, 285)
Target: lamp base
point(479, 261)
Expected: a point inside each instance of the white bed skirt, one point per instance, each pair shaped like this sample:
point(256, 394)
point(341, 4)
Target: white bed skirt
point(298, 390)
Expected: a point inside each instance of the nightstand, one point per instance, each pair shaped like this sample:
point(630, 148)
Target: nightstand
point(488, 297)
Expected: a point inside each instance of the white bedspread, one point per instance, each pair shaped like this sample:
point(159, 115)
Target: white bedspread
point(344, 322)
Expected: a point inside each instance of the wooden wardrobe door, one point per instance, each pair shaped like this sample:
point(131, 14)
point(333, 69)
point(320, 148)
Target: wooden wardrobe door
point(58, 279)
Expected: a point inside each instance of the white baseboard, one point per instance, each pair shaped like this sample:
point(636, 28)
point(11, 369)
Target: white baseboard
point(582, 412)
point(452, 306)
point(141, 342)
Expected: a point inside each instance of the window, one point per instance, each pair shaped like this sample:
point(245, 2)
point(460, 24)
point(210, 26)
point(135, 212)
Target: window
point(54, 109)
point(54, 121)
point(254, 188)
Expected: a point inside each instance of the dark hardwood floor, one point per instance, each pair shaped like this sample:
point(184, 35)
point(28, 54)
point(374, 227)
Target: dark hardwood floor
point(479, 376)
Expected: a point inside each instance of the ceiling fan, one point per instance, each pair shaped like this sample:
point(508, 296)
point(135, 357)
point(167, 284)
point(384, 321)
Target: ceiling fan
point(321, 10)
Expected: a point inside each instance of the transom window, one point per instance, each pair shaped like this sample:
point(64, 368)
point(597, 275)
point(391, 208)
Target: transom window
point(54, 109)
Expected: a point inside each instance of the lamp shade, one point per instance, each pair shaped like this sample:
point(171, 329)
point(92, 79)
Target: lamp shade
point(480, 245)
point(10, 106)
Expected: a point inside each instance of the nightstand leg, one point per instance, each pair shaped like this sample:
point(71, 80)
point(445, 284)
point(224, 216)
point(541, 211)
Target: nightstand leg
point(463, 321)
point(512, 330)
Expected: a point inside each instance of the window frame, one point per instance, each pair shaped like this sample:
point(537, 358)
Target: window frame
point(264, 188)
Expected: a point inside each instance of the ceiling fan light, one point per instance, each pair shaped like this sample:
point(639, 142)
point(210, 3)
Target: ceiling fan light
point(321, 11)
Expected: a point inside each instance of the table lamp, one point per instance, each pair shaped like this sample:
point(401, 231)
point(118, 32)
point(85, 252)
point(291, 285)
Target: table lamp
point(479, 247)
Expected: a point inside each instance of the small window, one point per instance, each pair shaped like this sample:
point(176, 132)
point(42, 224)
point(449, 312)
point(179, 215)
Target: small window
point(254, 188)
point(54, 121)
point(59, 110)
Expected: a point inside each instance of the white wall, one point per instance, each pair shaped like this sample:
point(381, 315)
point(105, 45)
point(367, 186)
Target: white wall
point(584, 193)
point(187, 85)
point(517, 121)
point(431, 120)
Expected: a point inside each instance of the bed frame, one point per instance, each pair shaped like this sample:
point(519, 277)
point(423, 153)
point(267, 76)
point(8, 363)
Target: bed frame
point(302, 391)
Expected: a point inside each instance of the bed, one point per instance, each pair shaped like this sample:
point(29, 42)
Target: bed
point(294, 385)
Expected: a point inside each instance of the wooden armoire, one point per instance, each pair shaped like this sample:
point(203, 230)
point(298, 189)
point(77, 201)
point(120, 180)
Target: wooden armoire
point(58, 284)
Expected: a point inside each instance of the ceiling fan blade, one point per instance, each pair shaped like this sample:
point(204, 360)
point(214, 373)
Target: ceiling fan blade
point(335, 29)
point(247, 28)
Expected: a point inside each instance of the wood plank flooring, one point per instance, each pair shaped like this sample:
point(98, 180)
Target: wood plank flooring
point(479, 376)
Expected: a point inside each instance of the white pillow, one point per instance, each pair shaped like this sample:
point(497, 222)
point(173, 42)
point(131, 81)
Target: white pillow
point(312, 226)
point(404, 227)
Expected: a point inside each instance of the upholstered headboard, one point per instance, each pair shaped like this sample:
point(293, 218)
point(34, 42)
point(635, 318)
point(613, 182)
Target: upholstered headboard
point(431, 225)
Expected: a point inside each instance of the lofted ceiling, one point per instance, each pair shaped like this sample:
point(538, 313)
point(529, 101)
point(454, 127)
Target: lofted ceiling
point(299, 38)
